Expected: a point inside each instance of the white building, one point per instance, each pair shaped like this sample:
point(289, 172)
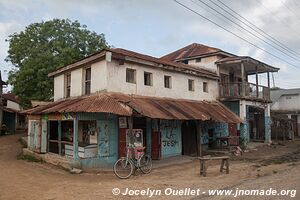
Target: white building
point(287, 102)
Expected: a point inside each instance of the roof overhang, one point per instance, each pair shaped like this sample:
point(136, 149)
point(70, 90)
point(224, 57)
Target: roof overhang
point(152, 107)
point(251, 65)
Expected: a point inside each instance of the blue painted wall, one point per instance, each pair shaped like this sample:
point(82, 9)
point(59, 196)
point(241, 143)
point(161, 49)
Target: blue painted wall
point(107, 126)
point(171, 144)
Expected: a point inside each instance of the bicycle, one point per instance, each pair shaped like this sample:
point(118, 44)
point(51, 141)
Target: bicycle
point(123, 168)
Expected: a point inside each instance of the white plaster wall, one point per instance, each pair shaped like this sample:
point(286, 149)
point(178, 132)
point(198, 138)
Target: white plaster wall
point(58, 87)
point(287, 104)
point(99, 76)
point(207, 63)
point(13, 105)
point(76, 82)
point(117, 83)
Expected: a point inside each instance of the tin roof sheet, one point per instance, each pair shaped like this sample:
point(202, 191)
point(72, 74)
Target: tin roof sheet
point(152, 107)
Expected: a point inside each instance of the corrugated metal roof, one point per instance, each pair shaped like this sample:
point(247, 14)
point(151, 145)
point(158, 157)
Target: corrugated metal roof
point(153, 107)
point(118, 53)
point(167, 108)
point(190, 51)
point(88, 104)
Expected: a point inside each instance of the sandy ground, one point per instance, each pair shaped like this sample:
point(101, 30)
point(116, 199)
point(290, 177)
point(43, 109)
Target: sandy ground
point(20, 179)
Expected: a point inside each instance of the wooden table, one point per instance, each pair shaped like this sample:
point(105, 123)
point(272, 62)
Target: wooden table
point(204, 166)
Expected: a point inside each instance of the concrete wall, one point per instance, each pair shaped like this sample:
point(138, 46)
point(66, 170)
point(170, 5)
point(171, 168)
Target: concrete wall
point(206, 63)
point(287, 102)
point(117, 83)
point(111, 76)
point(59, 88)
point(13, 105)
point(99, 76)
point(76, 82)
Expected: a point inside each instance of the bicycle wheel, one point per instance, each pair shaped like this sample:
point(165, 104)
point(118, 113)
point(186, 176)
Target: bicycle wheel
point(146, 164)
point(123, 168)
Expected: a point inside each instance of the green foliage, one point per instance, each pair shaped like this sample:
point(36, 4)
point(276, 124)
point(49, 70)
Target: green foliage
point(42, 48)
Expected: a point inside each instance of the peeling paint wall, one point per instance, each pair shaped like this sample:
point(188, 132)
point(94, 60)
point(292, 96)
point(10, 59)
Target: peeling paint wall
point(179, 89)
point(107, 141)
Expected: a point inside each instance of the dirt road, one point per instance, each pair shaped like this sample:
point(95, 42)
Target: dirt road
point(20, 179)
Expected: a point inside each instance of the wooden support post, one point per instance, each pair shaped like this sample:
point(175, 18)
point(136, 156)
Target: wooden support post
point(243, 79)
point(227, 166)
point(59, 137)
point(75, 139)
point(268, 74)
point(256, 75)
point(48, 135)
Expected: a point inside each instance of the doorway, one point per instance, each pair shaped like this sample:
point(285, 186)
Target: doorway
point(189, 138)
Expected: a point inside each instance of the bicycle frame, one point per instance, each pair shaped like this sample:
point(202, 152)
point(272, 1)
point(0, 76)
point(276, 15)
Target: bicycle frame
point(136, 159)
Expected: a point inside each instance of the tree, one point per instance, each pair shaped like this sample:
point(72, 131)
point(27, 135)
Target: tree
point(42, 48)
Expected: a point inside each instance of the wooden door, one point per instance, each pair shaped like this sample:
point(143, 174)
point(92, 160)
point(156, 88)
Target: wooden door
point(122, 142)
point(232, 129)
point(156, 145)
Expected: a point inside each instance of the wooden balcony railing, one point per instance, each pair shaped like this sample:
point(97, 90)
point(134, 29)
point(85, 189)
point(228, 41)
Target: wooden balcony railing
point(248, 90)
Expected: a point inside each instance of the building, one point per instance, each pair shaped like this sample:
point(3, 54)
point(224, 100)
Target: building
point(250, 101)
point(174, 103)
point(12, 119)
point(286, 102)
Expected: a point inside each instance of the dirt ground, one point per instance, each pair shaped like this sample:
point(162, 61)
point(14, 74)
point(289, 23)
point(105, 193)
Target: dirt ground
point(21, 179)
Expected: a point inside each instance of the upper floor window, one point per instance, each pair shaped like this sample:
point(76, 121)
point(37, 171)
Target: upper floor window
point(68, 85)
point(198, 60)
point(185, 61)
point(191, 85)
point(130, 75)
point(205, 87)
point(148, 80)
point(87, 81)
point(168, 81)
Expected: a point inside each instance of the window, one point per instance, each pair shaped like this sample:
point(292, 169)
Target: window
point(130, 75)
point(168, 81)
point(148, 79)
point(198, 60)
point(68, 85)
point(191, 85)
point(205, 87)
point(87, 81)
point(185, 61)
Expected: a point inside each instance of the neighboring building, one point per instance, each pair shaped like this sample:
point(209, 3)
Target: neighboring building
point(173, 100)
point(287, 102)
point(13, 120)
point(250, 101)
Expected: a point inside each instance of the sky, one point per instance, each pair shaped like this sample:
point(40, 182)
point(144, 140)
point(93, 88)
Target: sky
point(158, 27)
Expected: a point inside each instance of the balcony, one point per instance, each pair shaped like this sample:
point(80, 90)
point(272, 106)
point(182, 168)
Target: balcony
point(247, 91)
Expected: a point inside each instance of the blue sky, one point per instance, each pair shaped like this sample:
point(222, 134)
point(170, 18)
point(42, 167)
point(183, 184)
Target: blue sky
point(157, 27)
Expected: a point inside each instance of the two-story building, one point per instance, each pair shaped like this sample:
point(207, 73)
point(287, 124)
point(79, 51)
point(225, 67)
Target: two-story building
point(175, 101)
point(99, 98)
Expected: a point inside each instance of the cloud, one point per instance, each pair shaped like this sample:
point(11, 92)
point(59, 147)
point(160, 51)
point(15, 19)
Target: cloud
point(158, 27)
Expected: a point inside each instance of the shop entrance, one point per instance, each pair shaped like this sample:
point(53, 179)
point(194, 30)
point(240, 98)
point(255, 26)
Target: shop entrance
point(189, 138)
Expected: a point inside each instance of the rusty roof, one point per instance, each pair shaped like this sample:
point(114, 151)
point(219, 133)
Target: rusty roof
point(86, 104)
point(180, 109)
point(239, 59)
point(119, 53)
point(11, 97)
point(190, 51)
point(152, 107)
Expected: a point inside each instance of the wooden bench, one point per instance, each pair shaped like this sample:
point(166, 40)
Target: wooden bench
point(203, 163)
